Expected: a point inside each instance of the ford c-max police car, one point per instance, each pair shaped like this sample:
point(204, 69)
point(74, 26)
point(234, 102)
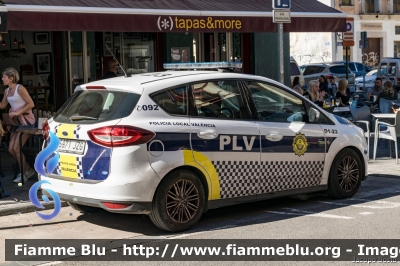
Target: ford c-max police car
point(174, 144)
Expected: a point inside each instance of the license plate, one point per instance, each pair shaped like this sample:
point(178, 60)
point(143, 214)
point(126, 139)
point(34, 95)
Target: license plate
point(72, 146)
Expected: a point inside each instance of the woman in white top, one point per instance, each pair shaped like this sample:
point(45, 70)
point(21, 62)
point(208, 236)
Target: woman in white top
point(21, 107)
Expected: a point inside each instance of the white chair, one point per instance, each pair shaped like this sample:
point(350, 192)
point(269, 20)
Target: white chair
point(392, 132)
point(362, 118)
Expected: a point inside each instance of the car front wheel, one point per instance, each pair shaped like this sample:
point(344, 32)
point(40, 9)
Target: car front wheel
point(345, 175)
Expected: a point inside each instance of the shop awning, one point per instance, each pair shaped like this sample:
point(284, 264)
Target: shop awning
point(168, 16)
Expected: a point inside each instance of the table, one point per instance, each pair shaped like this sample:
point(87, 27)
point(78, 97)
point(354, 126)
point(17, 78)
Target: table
point(341, 109)
point(31, 132)
point(38, 90)
point(380, 116)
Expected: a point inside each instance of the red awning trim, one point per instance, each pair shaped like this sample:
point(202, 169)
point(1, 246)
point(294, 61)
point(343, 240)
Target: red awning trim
point(62, 21)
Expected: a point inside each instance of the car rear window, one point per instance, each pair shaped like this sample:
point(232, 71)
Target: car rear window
point(94, 106)
point(294, 70)
point(338, 70)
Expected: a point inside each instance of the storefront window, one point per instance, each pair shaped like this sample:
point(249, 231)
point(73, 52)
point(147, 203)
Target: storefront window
point(179, 47)
point(237, 47)
point(138, 52)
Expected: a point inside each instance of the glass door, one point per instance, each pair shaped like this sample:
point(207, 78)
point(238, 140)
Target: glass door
point(75, 59)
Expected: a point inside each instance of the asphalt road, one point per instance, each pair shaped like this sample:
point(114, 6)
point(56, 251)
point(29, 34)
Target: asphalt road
point(373, 213)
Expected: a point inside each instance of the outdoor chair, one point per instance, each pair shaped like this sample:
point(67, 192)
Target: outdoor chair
point(362, 118)
point(392, 132)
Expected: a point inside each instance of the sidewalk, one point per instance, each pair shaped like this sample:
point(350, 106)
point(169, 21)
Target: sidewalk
point(19, 202)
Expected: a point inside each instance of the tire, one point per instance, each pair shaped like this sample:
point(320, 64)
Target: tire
point(345, 175)
point(186, 209)
point(84, 208)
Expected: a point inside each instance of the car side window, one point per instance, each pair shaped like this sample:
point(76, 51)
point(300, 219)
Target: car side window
point(310, 70)
point(382, 69)
point(352, 67)
point(219, 99)
point(392, 69)
point(173, 101)
point(274, 104)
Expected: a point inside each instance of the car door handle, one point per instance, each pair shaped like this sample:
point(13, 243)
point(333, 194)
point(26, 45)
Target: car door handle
point(208, 134)
point(273, 136)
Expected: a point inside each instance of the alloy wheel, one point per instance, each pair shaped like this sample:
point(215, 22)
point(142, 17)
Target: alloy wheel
point(348, 173)
point(182, 201)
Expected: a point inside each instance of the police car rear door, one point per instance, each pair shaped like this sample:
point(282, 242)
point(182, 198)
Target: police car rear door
point(293, 150)
point(224, 137)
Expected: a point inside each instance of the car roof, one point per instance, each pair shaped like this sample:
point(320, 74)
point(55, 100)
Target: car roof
point(323, 64)
point(137, 82)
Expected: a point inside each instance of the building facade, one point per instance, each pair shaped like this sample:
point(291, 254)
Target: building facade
point(381, 20)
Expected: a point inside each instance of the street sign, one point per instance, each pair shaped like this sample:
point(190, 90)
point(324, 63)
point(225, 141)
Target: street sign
point(281, 16)
point(281, 4)
point(348, 36)
point(348, 43)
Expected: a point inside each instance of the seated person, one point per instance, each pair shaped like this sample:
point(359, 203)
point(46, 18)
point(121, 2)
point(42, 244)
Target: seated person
point(342, 95)
point(376, 90)
point(314, 93)
point(387, 93)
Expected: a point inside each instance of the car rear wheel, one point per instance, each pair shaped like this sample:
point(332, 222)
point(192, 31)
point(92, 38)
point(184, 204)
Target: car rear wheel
point(345, 175)
point(84, 208)
point(178, 202)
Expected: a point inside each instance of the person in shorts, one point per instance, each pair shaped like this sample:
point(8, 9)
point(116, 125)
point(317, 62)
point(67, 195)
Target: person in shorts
point(21, 108)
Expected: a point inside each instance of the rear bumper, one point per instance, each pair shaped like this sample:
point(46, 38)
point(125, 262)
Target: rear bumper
point(134, 208)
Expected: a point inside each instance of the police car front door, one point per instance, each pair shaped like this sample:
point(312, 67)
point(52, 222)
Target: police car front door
point(224, 139)
point(292, 150)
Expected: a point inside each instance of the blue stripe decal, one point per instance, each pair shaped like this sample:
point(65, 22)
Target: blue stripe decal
point(315, 145)
point(234, 143)
point(171, 141)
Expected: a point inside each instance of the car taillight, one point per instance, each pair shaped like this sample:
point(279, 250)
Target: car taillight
point(112, 205)
point(45, 129)
point(120, 136)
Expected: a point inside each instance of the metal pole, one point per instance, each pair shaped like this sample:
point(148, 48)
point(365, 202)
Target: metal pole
point(363, 62)
point(280, 48)
point(347, 62)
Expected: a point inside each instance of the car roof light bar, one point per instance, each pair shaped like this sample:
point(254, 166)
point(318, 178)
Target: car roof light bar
point(202, 65)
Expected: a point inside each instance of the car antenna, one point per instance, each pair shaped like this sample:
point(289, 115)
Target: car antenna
point(126, 75)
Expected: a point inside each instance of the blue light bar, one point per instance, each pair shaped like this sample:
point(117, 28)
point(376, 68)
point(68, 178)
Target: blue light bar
point(202, 65)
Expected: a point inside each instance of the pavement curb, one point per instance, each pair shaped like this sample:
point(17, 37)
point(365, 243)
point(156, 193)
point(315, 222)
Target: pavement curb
point(11, 209)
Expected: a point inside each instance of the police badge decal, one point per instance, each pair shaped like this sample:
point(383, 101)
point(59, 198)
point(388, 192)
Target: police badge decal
point(299, 144)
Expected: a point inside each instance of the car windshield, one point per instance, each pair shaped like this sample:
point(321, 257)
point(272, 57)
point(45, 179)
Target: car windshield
point(372, 73)
point(93, 106)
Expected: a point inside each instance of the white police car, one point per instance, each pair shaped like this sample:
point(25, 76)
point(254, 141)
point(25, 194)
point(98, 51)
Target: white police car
point(174, 144)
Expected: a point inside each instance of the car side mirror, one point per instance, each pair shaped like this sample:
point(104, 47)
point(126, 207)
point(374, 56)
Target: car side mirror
point(313, 115)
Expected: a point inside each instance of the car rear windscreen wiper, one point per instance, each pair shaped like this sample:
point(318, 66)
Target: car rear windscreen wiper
point(82, 117)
